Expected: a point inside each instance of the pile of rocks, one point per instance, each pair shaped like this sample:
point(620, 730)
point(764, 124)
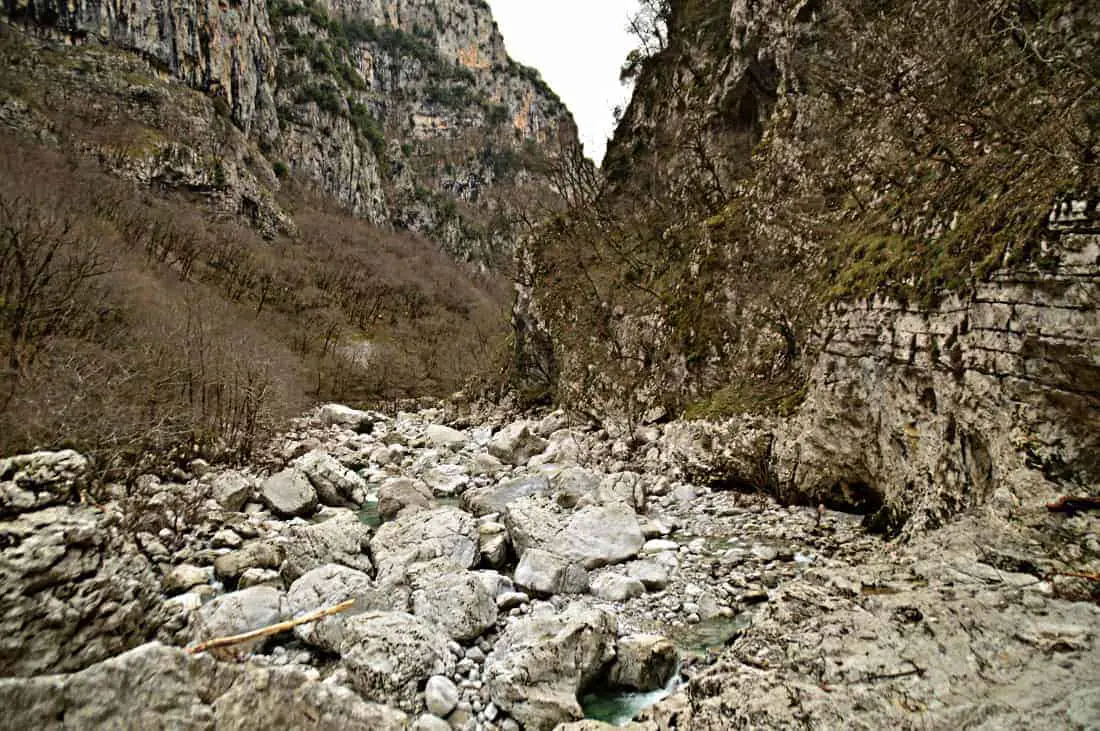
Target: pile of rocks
point(499, 570)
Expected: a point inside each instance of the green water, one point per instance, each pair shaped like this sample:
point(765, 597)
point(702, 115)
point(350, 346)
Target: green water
point(368, 514)
point(695, 640)
point(618, 708)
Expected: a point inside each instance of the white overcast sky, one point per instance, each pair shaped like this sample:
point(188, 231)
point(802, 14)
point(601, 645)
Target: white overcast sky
point(579, 46)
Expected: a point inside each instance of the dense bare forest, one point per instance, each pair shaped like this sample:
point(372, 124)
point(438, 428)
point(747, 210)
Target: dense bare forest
point(137, 327)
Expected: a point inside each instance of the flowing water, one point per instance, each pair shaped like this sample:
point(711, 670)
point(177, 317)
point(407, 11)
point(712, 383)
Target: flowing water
point(619, 707)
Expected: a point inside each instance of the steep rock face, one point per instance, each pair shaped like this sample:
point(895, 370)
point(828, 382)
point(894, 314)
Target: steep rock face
point(925, 412)
point(222, 49)
point(408, 113)
point(814, 223)
point(428, 87)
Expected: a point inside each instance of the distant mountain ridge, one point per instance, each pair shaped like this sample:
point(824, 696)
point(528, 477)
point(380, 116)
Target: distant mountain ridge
point(405, 112)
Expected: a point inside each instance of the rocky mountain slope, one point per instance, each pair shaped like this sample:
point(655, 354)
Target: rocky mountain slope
point(268, 187)
point(866, 230)
point(408, 113)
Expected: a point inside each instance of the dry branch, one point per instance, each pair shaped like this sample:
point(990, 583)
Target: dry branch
point(273, 629)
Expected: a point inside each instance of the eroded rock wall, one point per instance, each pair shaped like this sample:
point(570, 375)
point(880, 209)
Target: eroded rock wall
point(993, 395)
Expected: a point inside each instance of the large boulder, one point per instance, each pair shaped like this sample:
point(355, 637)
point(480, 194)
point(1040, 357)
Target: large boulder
point(622, 488)
point(579, 487)
point(643, 663)
point(322, 587)
point(444, 436)
point(345, 416)
point(733, 452)
point(515, 444)
point(541, 663)
point(594, 536)
point(232, 490)
point(390, 655)
point(239, 612)
point(496, 498)
point(446, 480)
point(37, 480)
point(154, 686)
point(458, 603)
point(399, 494)
point(653, 575)
point(255, 555)
point(544, 573)
point(616, 588)
point(441, 696)
point(289, 494)
point(336, 485)
point(424, 536)
point(341, 539)
point(74, 590)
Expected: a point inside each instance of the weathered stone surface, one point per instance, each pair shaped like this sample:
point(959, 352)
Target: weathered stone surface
point(341, 539)
point(593, 536)
point(423, 536)
point(260, 577)
point(289, 493)
point(515, 444)
point(232, 489)
point(37, 480)
point(545, 574)
point(616, 588)
point(258, 554)
point(589, 725)
point(541, 662)
point(731, 453)
point(445, 436)
point(323, 587)
point(154, 686)
point(653, 575)
point(493, 544)
point(992, 396)
point(389, 655)
point(428, 722)
point(73, 591)
point(866, 640)
point(340, 415)
point(336, 485)
point(643, 662)
point(440, 696)
point(446, 480)
point(495, 498)
point(239, 612)
point(457, 603)
point(185, 576)
point(399, 494)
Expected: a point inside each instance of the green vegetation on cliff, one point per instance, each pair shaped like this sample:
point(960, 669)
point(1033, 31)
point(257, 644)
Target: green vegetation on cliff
point(841, 149)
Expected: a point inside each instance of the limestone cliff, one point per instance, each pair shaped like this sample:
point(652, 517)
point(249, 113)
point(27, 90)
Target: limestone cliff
point(403, 112)
point(873, 227)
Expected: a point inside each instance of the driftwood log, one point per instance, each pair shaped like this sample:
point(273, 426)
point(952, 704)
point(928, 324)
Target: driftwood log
point(273, 629)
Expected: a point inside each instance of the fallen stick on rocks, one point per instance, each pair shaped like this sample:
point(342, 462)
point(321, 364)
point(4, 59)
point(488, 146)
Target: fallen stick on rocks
point(273, 629)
